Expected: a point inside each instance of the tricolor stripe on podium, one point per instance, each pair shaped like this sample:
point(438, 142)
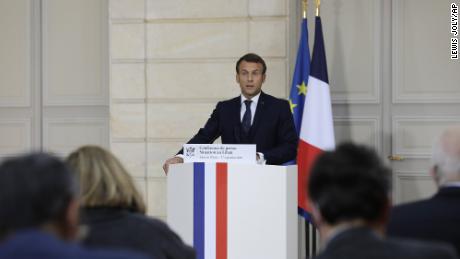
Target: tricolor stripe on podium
point(210, 210)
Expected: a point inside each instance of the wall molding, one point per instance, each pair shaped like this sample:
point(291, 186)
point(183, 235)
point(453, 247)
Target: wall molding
point(376, 14)
point(100, 125)
point(409, 176)
point(397, 140)
point(24, 100)
point(25, 124)
point(49, 99)
point(398, 39)
point(373, 121)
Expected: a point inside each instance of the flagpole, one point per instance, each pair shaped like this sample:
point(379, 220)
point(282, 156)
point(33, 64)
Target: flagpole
point(313, 229)
point(307, 224)
point(318, 3)
point(304, 9)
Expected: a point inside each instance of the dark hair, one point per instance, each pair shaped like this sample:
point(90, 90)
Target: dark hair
point(34, 189)
point(349, 183)
point(251, 58)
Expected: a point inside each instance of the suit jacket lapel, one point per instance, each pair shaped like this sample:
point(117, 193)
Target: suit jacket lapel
point(260, 112)
point(236, 120)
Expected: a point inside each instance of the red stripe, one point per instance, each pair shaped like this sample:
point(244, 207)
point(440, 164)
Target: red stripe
point(306, 155)
point(221, 213)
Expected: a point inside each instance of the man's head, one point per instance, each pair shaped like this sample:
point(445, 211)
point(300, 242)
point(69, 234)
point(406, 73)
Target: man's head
point(347, 185)
point(37, 191)
point(250, 74)
point(446, 157)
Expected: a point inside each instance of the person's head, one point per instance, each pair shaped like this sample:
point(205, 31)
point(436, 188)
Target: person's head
point(38, 191)
point(250, 74)
point(446, 157)
point(350, 184)
point(104, 182)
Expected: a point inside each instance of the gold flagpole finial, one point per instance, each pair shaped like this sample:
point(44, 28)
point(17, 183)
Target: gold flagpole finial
point(304, 9)
point(318, 3)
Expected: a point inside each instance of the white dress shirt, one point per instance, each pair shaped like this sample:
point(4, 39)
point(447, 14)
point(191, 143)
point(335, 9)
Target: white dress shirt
point(253, 106)
point(254, 100)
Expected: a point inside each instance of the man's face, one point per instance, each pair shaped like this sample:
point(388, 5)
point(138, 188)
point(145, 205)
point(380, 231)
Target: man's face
point(250, 78)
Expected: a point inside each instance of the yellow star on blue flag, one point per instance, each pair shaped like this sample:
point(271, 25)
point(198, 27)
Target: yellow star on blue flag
point(302, 88)
point(300, 78)
point(292, 105)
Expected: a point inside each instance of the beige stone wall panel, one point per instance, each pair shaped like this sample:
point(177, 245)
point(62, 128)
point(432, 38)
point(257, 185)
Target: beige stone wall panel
point(127, 9)
point(177, 9)
point(177, 120)
point(197, 40)
point(158, 152)
point(127, 41)
point(127, 81)
point(132, 156)
point(185, 80)
point(268, 37)
point(276, 82)
point(268, 7)
point(127, 121)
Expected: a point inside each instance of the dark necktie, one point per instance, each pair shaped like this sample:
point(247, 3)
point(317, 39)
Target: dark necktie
point(246, 123)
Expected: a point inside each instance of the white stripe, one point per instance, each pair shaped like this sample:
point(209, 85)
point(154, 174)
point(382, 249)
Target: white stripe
point(210, 211)
point(317, 127)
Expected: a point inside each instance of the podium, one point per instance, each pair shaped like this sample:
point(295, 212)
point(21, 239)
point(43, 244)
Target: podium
point(234, 211)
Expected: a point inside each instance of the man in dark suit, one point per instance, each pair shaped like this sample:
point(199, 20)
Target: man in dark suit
point(349, 191)
point(436, 218)
point(39, 211)
point(252, 118)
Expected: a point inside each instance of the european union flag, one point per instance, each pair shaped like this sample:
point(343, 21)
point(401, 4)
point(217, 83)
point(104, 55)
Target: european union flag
point(300, 78)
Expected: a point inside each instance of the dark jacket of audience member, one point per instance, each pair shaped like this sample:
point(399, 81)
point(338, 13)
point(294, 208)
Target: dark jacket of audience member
point(39, 211)
point(436, 218)
point(114, 211)
point(348, 189)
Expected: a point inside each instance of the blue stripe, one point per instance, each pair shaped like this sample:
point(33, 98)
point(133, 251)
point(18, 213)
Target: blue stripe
point(318, 68)
point(198, 209)
point(305, 214)
point(301, 73)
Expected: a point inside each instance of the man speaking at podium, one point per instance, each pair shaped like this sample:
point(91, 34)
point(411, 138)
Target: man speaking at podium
point(254, 117)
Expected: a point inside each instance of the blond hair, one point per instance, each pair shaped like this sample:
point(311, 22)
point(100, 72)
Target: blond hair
point(104, 182)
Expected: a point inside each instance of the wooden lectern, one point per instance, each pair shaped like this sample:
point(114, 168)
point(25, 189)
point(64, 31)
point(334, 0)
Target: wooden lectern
point(234, 211)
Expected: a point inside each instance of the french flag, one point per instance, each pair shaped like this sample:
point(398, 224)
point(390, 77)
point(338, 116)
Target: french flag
point(225, 210)
point(317, 130)
point(210, 210)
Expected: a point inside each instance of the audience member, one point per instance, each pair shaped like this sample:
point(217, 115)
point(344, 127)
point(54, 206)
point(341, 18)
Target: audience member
point(436, 218)
point(349, 191)
point(114, 210)
point(39, 211)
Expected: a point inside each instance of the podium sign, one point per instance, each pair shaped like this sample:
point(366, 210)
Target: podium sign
point(234, 211)
point(213, 153)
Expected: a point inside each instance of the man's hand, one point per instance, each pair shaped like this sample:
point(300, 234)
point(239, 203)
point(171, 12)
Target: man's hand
point(172, 160)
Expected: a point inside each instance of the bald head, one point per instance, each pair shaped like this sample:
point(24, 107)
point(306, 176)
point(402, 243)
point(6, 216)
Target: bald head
point(446, 156)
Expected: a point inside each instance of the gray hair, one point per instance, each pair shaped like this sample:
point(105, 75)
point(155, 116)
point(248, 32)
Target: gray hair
point(446, 155)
